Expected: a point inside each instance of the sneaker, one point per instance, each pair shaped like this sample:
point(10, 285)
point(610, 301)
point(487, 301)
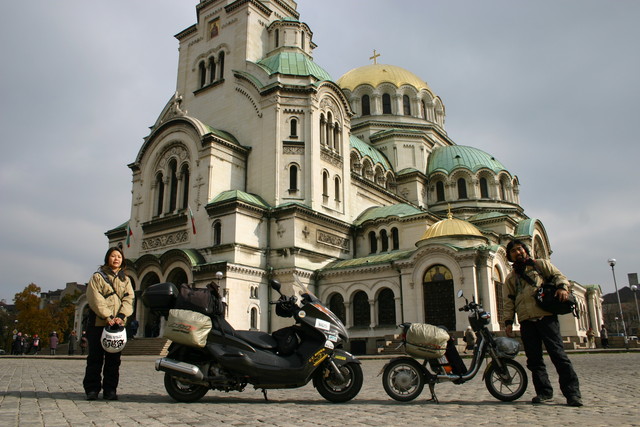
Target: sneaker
point(541, 398)
point(92, 395)
point(574, 401)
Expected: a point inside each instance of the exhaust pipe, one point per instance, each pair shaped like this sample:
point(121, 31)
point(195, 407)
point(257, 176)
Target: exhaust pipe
point(174, 366)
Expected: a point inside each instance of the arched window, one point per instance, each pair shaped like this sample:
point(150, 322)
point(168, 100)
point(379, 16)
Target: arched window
point(173, 185)
point(498, 284)
point(323, 124)
point(503, 192)
point(336, 305)
point(384, 241)
point(293, 178)
point(386, 104)
point(212, 70)
point(202, 69)
point(373, 242)
point(440, 191)
point(293, 128)
point(336, 183)
point(424, 110)
point(184, 172)
point(366, 105)
point(336, 137)
point(159, 193)
point(395, 238)
point(277, 37)
point(221, 64)
point(361, 310)
point(254, 318)
point(217, 233)
point(386, 308)
point(325, 184)
point(484, 188)
point(462, 188)
point(329, 129)
point(406, 105)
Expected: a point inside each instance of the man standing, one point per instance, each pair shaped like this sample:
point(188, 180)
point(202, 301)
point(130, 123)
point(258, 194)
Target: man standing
point(538, 326)
point(604, 337)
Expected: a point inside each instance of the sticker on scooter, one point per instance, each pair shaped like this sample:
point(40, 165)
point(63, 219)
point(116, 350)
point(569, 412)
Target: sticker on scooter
point(329, 345)
point(317, 358)
point(301, 314)
point(332, 338)
point(323, 324)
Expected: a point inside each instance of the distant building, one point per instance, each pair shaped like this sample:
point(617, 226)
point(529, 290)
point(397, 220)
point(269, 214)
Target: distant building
point(261, 166)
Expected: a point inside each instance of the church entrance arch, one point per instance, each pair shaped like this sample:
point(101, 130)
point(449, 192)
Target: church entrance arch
point(178, 277)
point(149, 321)
point(439, 301)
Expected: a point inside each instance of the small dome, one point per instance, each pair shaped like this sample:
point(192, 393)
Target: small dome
point(451, 227)
point(376, 74)
point(447, 159)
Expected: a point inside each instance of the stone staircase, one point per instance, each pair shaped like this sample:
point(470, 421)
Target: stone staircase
point(390, 345)
point(146, 347)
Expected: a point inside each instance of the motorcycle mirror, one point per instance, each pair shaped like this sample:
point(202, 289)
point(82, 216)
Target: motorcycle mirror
point(275, 285)
point(460, 293)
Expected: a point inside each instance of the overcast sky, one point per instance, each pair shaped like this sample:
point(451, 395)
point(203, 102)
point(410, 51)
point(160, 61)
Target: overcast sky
point(550, 88)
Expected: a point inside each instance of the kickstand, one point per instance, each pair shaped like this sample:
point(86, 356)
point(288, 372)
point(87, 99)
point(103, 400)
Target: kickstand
point(432, 389)
point(264, 393)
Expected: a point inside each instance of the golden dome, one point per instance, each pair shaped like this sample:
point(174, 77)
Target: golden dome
point(451, 227)
point(376, 74)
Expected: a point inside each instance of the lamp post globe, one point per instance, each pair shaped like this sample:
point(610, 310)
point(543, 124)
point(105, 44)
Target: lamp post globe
point(612, 262)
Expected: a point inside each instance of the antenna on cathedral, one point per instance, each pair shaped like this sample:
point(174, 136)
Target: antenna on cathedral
point(375, 56)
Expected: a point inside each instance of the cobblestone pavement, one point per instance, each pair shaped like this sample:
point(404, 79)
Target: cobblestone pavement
point(43, 391)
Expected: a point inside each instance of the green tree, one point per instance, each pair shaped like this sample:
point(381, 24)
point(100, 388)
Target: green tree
point(31, 319)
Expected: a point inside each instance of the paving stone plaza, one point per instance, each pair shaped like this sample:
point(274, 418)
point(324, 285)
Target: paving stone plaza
point(44, 391)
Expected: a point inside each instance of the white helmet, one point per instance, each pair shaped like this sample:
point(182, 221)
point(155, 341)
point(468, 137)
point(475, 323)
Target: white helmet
point(114, 338)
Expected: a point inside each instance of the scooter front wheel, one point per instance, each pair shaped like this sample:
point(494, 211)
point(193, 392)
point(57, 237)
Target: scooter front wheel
point(337, 390)
point(508, 384)
point(403, 379)
point(183, 391)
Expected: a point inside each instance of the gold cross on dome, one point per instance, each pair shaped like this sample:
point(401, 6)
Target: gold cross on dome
point(375, 56)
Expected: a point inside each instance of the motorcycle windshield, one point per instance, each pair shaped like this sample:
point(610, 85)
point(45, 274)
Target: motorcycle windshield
point(323, 318)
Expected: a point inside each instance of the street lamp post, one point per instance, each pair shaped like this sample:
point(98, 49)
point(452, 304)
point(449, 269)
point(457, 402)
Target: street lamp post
point(634, 288)
point(617, 327)
point(612, 263)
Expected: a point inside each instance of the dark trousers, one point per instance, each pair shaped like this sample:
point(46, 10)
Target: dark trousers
point(103, 368)
point(547, 331)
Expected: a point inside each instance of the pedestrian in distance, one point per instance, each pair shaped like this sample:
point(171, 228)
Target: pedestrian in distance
point(591, 338)
point(604, 337)
point(53, 343)
point(469, 339)
point(110, 297)
point(83, 343)
point(35, 345)
point(537, 326)
point(73, 343)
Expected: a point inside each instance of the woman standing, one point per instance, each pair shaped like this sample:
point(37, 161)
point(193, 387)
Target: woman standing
point(53, 343)
point(110, 297)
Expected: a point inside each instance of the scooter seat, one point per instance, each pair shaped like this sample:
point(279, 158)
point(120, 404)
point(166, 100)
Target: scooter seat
point(258, 339)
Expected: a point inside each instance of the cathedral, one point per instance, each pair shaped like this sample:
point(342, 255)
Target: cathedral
point(261, 165)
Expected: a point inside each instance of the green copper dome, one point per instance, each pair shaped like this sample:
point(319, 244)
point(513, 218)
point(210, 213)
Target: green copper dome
point(293, 64)
point(447, 159)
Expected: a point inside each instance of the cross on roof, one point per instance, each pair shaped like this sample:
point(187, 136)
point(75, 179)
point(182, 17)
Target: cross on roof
point(375, 56)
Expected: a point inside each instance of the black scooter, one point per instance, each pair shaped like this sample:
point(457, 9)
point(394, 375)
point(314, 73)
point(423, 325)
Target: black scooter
point(231, 358)
point(403, 378)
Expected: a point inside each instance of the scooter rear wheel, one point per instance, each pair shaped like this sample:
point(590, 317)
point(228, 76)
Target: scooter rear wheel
point(334, 389)
point(501, 388)
point(403, 379)
point(183, 391)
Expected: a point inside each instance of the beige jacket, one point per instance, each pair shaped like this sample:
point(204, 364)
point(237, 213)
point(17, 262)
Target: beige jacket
point(103, 301)
point(519, 294)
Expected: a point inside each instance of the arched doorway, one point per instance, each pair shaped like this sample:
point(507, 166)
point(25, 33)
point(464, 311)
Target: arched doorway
point(439, 302)
point(149, 321)
point(178, 277)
